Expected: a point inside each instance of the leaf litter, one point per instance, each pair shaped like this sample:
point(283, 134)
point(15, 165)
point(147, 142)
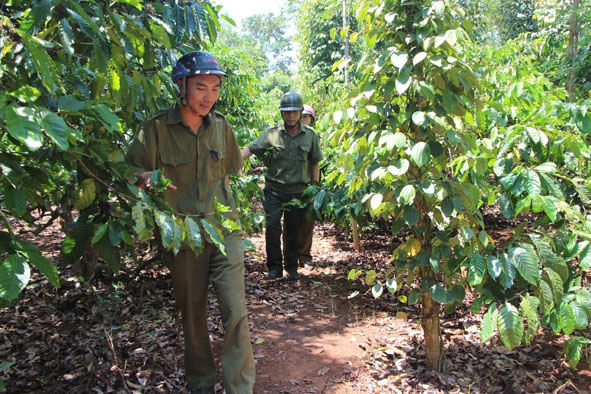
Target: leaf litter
point(308, 336)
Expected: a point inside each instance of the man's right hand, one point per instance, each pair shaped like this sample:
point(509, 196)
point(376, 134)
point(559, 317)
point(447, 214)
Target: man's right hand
point(144, 180)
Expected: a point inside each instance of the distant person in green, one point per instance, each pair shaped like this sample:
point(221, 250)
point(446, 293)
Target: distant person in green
point(196, 149)
point(305, 258)
point(294, 156)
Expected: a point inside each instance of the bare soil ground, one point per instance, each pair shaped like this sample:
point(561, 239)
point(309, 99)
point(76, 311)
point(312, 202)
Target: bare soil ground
point(121, 334)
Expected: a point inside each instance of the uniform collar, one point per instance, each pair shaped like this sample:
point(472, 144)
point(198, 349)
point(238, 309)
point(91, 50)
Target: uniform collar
point(175, 117)
point(303, 129)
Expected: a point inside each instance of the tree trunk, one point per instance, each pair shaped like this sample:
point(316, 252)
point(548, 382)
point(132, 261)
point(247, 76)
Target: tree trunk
point(356, 241)
point(573, 47)
point(431, 328)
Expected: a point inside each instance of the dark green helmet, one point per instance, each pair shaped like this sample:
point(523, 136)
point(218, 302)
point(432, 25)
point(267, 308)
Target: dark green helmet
point(291, 101)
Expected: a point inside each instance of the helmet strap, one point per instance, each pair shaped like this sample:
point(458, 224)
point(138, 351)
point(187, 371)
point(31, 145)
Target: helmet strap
point(183, 95)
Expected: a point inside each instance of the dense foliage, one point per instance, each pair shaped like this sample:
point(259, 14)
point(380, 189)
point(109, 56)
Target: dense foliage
point(438, 130)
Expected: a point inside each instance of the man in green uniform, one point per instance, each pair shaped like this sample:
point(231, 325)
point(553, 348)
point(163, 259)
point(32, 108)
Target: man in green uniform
point(196, 149)
point(293, 165)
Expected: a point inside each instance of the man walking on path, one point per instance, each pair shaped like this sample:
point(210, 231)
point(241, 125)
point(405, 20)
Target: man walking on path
point(293, 165)
point(196, 149)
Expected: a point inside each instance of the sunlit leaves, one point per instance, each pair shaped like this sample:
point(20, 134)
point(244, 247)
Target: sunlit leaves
point(403, 82)
point(420, 153)
point(399, 60)
point(22, 125)
point(407, 195)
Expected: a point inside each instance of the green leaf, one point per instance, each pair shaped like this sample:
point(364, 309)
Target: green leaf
point(377, 290)
point(319, 200)
point(407, 195)
point(354, 274)
point(566, 318)
point(165, 227)
point(414, 297)
point(580, 315)
point(399, 168)
point(411, 215)
point(193, 235)
point(439, 294)
point(370, 277)
point(375, 203)
point(573, 348)
point(418, 118)
point(100, 232)
point(550, 208)
point(66, 36)
point(41, 61)
point(585, 258)
point(403, 82)
point(57, 129)
point(213, 235)
point(510, 326)
point(458, 293)
point(143, 225)
point(106, 116)
point(546, 297)
point(555, 282)
point(526, 261)
point(508, 271)
point(399, 60)
point(420, 153)
point(23, 126)
point(15, 200)
point(110, 254)
point(529, 306)
point(419, 57)
point(14, 276)
point(449, 101)
point(494, 266)
point(533, 185)
point(489, 323)
point(85, 194)
point(476, 269)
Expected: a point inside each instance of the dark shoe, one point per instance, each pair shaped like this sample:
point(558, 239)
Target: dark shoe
point(307, 265)
point(273, 274)
point(203, 390)
point(293, 275)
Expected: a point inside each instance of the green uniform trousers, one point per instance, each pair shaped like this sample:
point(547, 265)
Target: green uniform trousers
point(190, 277)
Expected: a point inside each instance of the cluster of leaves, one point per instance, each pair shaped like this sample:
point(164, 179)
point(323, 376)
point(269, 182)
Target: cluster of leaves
point(78, 79)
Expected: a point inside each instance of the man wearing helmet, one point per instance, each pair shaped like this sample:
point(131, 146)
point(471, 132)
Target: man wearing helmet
point(196, 149)
point(293, 165)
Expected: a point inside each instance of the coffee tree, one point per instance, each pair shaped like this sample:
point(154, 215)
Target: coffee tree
point(77, 79)
point(433, 141)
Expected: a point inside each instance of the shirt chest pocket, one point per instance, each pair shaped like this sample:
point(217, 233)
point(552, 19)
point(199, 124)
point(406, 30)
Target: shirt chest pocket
point(213, 162)
point(177, 167)
point(301, 152)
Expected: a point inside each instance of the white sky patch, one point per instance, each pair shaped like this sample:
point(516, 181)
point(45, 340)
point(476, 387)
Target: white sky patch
point(240, 9)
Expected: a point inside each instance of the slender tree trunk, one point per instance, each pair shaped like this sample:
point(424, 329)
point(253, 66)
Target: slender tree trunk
point(346, 44)
point(431, 328)
point(573, 47)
